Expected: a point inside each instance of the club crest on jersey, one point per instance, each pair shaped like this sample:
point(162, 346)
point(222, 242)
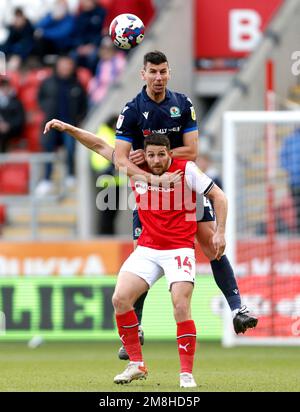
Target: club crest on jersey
point(120, 121)
point(175, 111)
point(193, 113)
point(137, 231)
point(141, 187)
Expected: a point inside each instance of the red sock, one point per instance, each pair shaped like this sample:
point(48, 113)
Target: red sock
point(186, 341)
point(128, 331)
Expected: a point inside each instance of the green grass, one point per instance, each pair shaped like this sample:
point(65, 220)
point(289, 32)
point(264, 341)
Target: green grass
point(92, 366)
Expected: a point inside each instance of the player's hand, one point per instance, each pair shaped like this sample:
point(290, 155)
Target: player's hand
point(57, 125)
point(219, 243)
point(168, 179)
point(137, 156)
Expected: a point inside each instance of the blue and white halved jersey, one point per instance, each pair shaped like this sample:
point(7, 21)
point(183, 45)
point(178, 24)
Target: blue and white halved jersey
point(174, 116)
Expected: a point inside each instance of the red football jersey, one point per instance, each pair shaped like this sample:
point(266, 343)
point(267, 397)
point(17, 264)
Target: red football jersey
point(168, 215)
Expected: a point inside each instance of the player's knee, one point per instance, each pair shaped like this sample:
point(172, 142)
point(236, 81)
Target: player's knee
point(120, 302)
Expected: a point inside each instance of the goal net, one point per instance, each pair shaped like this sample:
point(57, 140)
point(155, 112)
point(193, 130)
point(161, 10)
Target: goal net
point(261, 168)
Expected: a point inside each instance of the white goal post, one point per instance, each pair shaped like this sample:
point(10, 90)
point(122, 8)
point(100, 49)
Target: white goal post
point(263, 233)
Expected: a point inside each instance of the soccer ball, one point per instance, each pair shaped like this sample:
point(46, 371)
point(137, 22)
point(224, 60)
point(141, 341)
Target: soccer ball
point(126, 31)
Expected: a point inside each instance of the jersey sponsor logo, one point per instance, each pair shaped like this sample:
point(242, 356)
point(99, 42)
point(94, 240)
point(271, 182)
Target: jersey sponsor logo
point(193, 113)
point(142, 188)
point(146, 114)
point(120, 121)
point(148, 132)
point(175, 111)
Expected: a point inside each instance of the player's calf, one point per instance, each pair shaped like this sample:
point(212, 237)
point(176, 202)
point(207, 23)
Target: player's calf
point(123, 355)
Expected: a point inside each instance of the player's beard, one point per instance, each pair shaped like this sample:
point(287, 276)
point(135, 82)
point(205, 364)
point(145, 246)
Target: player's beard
point(158, 170)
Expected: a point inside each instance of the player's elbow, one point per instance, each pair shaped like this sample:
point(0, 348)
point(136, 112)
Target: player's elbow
point(193, 156)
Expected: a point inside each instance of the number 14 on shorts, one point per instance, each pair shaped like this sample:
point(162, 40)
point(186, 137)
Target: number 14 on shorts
point(184, 263)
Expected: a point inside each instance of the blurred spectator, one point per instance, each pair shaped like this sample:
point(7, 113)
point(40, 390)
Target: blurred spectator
point(53, 34)
point(145, 10)
point(19, 42)
point(205, 164)
point(290, 161)
point(107, 179)
point(61, 96)
point(87, 35)
point(111, 64)
point(12, 117)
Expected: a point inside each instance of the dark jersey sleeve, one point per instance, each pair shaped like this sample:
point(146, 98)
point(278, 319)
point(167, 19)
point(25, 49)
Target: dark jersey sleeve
point(126, 128)
point(189, 117)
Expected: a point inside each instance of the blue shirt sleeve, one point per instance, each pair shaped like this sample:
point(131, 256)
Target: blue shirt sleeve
point(126, 128)
point(189, 117)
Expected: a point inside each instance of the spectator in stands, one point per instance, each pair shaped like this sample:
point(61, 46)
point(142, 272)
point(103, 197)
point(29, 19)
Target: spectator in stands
point(107, 180)
point(111, 64)
point(53, 34)
point(290, 161)
point(19, 42)
point(61, 96)
point(88, 32)
point(12, 117)
point(145, 10)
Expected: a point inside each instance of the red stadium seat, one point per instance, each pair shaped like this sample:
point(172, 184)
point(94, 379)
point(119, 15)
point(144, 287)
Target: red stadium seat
point(84, 76)
point(14, 178)
point(2, 214)
point(33, 132)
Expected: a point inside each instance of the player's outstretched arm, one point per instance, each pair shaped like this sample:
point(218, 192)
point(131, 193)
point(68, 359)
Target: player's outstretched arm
point(88, 139)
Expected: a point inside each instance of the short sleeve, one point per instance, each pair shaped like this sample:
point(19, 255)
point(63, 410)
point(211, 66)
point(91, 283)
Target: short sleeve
point(189, 116)
point(126, 124)
point(197, 180)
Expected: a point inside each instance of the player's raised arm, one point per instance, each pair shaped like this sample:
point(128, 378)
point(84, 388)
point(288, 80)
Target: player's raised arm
point(88, 139)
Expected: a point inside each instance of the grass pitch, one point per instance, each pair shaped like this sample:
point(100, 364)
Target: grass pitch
point(92, 366)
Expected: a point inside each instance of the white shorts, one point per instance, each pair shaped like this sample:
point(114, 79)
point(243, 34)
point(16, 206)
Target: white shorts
point(178, 265)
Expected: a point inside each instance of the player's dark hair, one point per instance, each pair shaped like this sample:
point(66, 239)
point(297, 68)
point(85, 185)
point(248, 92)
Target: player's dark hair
point(156, 139)
point(155, 57)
